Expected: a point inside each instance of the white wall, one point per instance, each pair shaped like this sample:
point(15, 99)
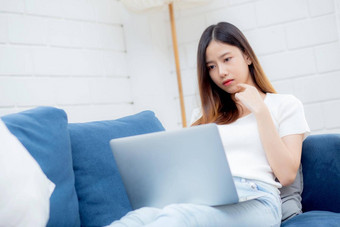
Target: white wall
point(98, 61)
point(67, 53)
point(297, 42)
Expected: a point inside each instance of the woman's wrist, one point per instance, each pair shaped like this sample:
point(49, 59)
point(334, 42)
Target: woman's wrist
point(262, 111)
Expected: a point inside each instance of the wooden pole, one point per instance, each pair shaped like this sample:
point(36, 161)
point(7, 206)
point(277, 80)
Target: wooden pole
point(178, 71)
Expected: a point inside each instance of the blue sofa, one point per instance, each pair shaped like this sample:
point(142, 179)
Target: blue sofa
point(321, 179)
point(89, 190)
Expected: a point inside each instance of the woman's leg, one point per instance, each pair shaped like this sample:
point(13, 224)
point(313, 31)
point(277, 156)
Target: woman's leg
point(258, 212)
point(263, 211)
point(138, 217)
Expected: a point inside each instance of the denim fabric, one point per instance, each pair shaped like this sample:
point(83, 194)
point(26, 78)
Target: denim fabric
point(262, 211)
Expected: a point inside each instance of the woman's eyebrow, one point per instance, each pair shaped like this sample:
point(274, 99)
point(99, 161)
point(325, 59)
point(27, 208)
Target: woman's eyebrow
point(221, 56)
point(226, 53)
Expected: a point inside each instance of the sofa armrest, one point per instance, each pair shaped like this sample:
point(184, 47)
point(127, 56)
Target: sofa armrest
point(321, 173)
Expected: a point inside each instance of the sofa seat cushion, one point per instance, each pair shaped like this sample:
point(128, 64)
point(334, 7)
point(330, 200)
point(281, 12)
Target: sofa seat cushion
point(101, 193)
point(314, 219)
point(43, 132)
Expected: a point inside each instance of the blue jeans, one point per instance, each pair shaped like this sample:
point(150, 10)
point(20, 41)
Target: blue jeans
point(265, 210)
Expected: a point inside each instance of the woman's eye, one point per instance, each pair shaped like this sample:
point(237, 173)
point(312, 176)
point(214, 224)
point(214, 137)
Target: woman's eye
point(210, 67)
point(227, 59)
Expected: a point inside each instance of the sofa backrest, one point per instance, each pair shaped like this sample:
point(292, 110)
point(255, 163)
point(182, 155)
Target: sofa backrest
point(321, 173)
point(44, 133)
point(78, 159)
point(100, 190)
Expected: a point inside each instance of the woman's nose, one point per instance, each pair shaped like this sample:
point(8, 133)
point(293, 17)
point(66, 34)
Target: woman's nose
point(223, 71)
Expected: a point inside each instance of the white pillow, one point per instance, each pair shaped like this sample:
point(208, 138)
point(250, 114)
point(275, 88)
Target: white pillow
point(24, 189)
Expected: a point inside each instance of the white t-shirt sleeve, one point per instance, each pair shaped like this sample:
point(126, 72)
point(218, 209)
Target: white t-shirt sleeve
point(292, 118)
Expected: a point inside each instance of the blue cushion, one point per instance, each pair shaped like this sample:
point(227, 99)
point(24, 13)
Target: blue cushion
point(43, 131)
point(321, 173)
point(101, 193)
point(314, 219)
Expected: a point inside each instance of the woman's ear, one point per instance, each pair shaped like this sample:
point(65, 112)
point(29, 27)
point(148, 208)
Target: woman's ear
point(247, 58)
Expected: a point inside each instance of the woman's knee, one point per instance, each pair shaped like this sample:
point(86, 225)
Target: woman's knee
point(190, 214)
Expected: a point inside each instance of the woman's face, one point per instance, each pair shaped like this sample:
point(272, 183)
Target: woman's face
point(228, 66)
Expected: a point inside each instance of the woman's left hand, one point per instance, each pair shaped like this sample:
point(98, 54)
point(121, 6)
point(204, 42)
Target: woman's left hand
point(250, 97)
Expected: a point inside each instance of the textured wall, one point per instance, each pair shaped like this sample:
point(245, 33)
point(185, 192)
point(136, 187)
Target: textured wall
point(297, 42)
point(70, 54)
point(98, 61)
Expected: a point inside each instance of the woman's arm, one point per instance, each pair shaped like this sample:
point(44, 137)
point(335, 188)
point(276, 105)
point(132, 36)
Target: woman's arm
point(283, 154)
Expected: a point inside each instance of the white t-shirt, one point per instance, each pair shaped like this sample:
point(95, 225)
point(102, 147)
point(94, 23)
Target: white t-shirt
point(241, 139)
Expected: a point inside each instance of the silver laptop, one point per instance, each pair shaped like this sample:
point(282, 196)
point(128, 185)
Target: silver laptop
point(181, 166)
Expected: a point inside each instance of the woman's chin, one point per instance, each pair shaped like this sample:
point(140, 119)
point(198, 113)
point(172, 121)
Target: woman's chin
point(232, 90)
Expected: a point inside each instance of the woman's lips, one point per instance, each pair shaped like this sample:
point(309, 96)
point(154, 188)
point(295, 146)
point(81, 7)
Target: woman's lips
point(227, 82)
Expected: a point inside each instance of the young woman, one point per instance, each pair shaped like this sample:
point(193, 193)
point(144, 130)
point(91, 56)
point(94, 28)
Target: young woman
point(262, 133)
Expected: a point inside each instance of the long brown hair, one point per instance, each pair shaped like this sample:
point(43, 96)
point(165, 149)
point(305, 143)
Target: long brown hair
point(217, 105)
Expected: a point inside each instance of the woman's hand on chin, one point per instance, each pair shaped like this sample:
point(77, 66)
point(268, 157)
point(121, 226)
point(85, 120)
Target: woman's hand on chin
point(251, 98)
